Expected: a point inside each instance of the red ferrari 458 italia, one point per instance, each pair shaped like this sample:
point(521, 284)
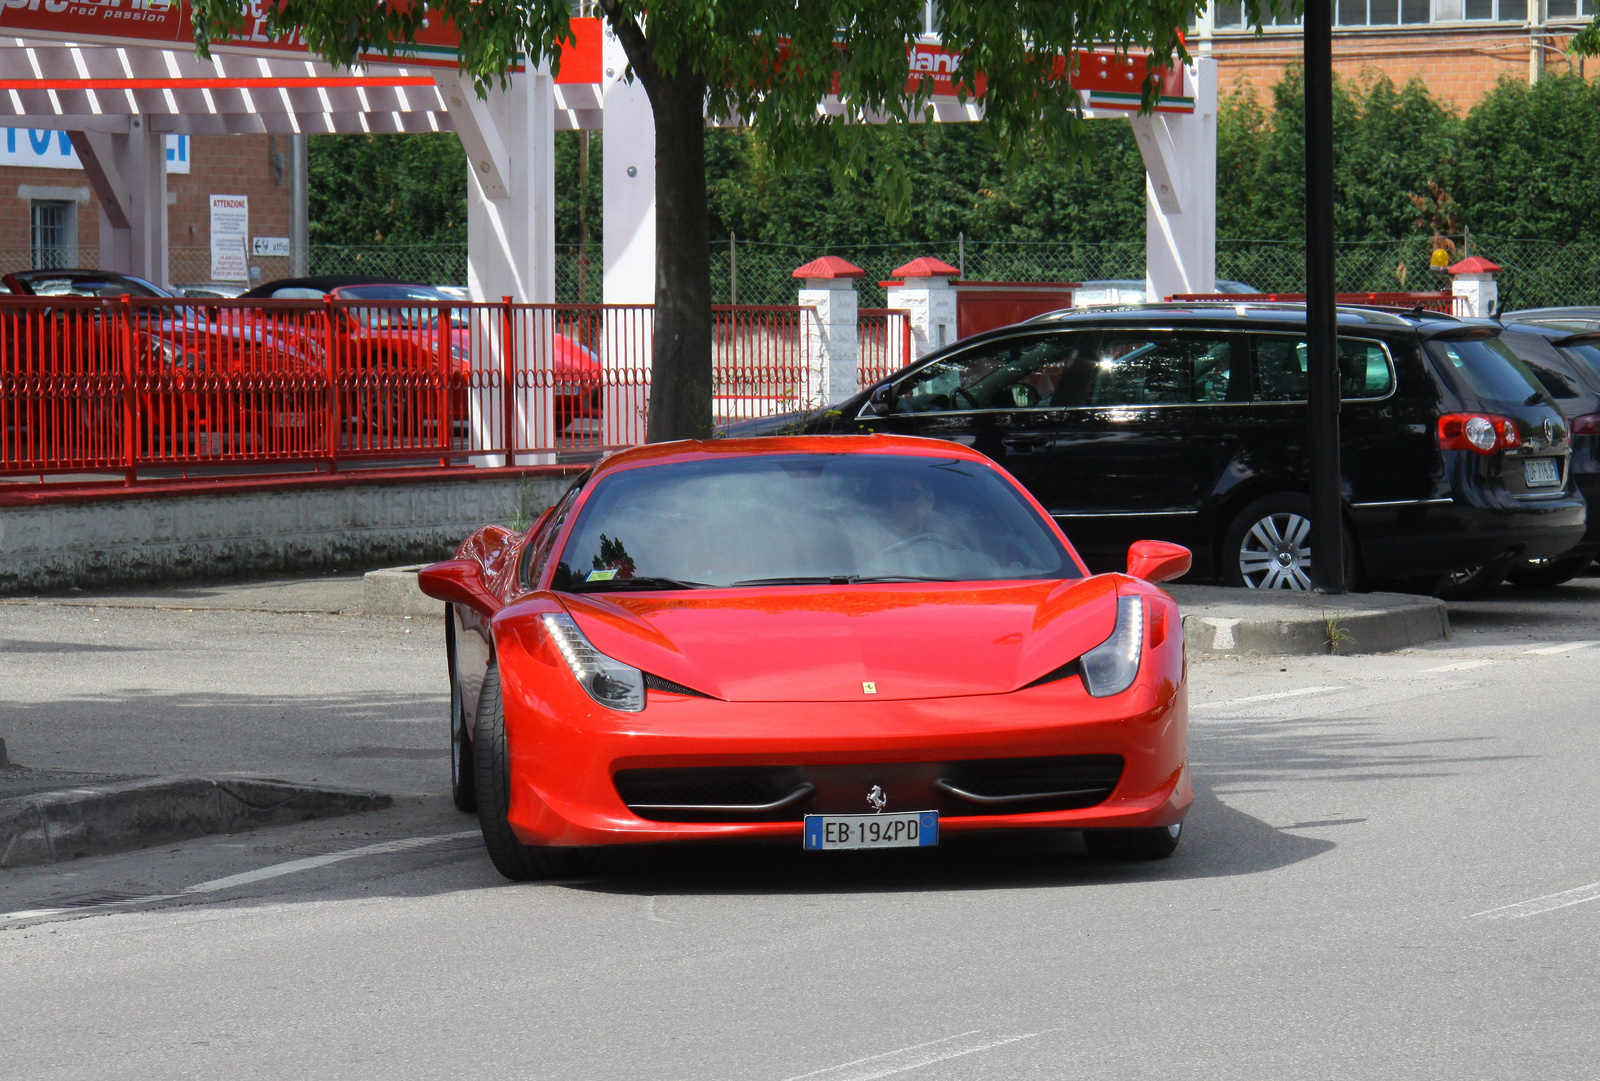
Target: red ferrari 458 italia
point(838, 642)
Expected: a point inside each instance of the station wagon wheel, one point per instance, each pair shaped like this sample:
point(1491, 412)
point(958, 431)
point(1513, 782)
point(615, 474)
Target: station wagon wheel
point(1469, 583)
point(1269, 544)
point(1545, 573)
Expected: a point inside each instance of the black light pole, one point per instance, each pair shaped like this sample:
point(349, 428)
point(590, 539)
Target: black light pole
point(1322, 397)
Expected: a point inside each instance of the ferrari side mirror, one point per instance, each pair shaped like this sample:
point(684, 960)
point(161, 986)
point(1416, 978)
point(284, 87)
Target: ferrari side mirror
point(1158, 561)
point(881, 403)
point(458, 581)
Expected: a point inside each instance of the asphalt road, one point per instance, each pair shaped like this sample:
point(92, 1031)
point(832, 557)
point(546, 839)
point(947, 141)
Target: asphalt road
point(1385, 875)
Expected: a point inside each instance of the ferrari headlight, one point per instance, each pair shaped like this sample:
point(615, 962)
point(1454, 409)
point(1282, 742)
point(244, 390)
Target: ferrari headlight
point(608, 681)
point(1109, 667)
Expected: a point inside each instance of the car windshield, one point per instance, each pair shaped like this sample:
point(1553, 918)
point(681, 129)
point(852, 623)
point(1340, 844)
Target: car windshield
point(797, 519)
point(81, 286)
point(394, 318)
point(1487, 369)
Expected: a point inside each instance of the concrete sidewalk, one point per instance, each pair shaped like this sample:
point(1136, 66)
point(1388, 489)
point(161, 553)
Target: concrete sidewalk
point(1223, 622)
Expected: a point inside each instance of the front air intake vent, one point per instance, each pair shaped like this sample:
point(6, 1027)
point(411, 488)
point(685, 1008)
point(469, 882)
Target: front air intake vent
point(656, 683)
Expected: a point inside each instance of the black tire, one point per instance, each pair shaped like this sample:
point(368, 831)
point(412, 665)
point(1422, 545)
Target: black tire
point(1269, 545)
point(1546, 573)
point(512, 858)
point(1469, 583)
point(463, 787)
point(1140, 844)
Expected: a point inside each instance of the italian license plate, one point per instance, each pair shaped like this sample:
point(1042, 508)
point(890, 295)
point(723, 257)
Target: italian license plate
point(1541, 472)
point(897, 829)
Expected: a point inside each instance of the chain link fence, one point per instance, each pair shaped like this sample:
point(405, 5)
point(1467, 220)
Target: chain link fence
point(1536, 273)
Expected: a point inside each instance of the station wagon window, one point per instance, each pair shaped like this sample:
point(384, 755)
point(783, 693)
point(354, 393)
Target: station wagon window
point(1012, 373)
point(1586, 354)
point(1160, 369)
point(1364, 369)
point(1487, 369)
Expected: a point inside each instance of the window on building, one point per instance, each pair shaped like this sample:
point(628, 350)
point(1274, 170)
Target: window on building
point(1383, 12)
point(1234, 15)
point(930, 17)
point(1569, 9)
point(55, 234)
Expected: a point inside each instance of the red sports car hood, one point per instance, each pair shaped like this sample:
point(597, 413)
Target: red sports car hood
point(805, 644)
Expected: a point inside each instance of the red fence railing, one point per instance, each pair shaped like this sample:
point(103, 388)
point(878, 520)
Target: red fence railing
point(98, 386)
point(885, 336)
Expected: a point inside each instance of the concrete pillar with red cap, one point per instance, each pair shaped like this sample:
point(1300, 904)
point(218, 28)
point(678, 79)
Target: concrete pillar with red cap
point(833, 351)
point(1474, 286)
point(924, 287)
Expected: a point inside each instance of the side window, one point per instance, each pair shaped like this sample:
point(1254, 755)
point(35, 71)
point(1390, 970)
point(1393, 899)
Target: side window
point(1163, 369)
point(1364, 369)
point(538, 550)
point(1013, 373)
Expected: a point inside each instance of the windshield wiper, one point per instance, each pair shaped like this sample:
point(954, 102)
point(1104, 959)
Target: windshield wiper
point(601, 585)
point(836, 580)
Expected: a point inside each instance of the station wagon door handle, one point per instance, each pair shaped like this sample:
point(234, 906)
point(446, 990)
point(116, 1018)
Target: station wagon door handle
point(1025, 444)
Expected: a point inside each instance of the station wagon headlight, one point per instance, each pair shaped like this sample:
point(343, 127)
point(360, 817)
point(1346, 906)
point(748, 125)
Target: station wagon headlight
point(1110, 667)
point(607, 681)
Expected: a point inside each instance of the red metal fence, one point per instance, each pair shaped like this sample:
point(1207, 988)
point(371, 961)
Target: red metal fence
point(885, 337)
point(115, 386)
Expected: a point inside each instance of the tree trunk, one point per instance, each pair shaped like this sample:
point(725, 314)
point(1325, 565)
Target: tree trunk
point(680, 385)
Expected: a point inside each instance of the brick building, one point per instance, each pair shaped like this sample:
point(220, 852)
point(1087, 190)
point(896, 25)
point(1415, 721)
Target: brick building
point(1459, 48)
point(49, 215)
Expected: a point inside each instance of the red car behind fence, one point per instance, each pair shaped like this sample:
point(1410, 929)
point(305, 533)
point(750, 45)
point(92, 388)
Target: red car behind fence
point(108, 380)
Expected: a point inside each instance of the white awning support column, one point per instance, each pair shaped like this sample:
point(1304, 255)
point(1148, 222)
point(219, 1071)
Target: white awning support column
point(629, 250)
point(129, 176)
point(1180, 159)
point(509, 139)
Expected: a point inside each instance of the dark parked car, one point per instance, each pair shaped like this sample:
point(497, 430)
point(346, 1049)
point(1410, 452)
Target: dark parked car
point(1564, 355)
point(1187, 422)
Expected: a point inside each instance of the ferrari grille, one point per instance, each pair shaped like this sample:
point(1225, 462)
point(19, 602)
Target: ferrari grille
point(996, 786)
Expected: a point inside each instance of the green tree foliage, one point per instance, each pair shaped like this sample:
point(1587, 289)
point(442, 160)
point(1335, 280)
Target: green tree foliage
point(1389, 142)
point(387, 189)
point(959, 182)
point(412, 189)
point(1528, 160)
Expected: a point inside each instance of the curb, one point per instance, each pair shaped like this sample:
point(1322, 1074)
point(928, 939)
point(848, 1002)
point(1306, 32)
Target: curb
point(1222, 622)
point(92, 820)
point(393, 592)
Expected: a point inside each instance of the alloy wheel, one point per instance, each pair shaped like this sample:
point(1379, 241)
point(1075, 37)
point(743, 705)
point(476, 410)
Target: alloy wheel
point(1276, 552)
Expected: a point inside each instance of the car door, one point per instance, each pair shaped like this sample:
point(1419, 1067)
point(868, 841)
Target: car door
point(1386, 448)
point(1145, 436)
point(996, 396)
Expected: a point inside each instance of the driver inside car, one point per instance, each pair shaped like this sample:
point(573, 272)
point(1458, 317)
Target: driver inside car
point(919, 541)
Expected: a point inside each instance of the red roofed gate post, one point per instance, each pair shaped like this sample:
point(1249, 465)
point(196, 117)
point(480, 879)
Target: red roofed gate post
point(924, 290)
point(833, 348)
point(1474, 287)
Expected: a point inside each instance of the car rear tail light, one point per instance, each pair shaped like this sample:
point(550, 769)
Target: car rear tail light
point(1109, 668)
point(1484, 433)
point(607, 681)
point(1589, 425)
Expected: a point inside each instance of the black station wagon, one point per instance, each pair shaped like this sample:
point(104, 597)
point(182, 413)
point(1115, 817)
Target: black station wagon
point(1188, 423)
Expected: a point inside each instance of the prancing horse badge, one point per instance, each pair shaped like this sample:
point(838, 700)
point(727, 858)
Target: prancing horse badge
point(869, 688)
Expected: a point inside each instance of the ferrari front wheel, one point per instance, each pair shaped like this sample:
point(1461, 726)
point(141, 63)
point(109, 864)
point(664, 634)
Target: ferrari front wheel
point(1138, 844)
point(492, 762)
